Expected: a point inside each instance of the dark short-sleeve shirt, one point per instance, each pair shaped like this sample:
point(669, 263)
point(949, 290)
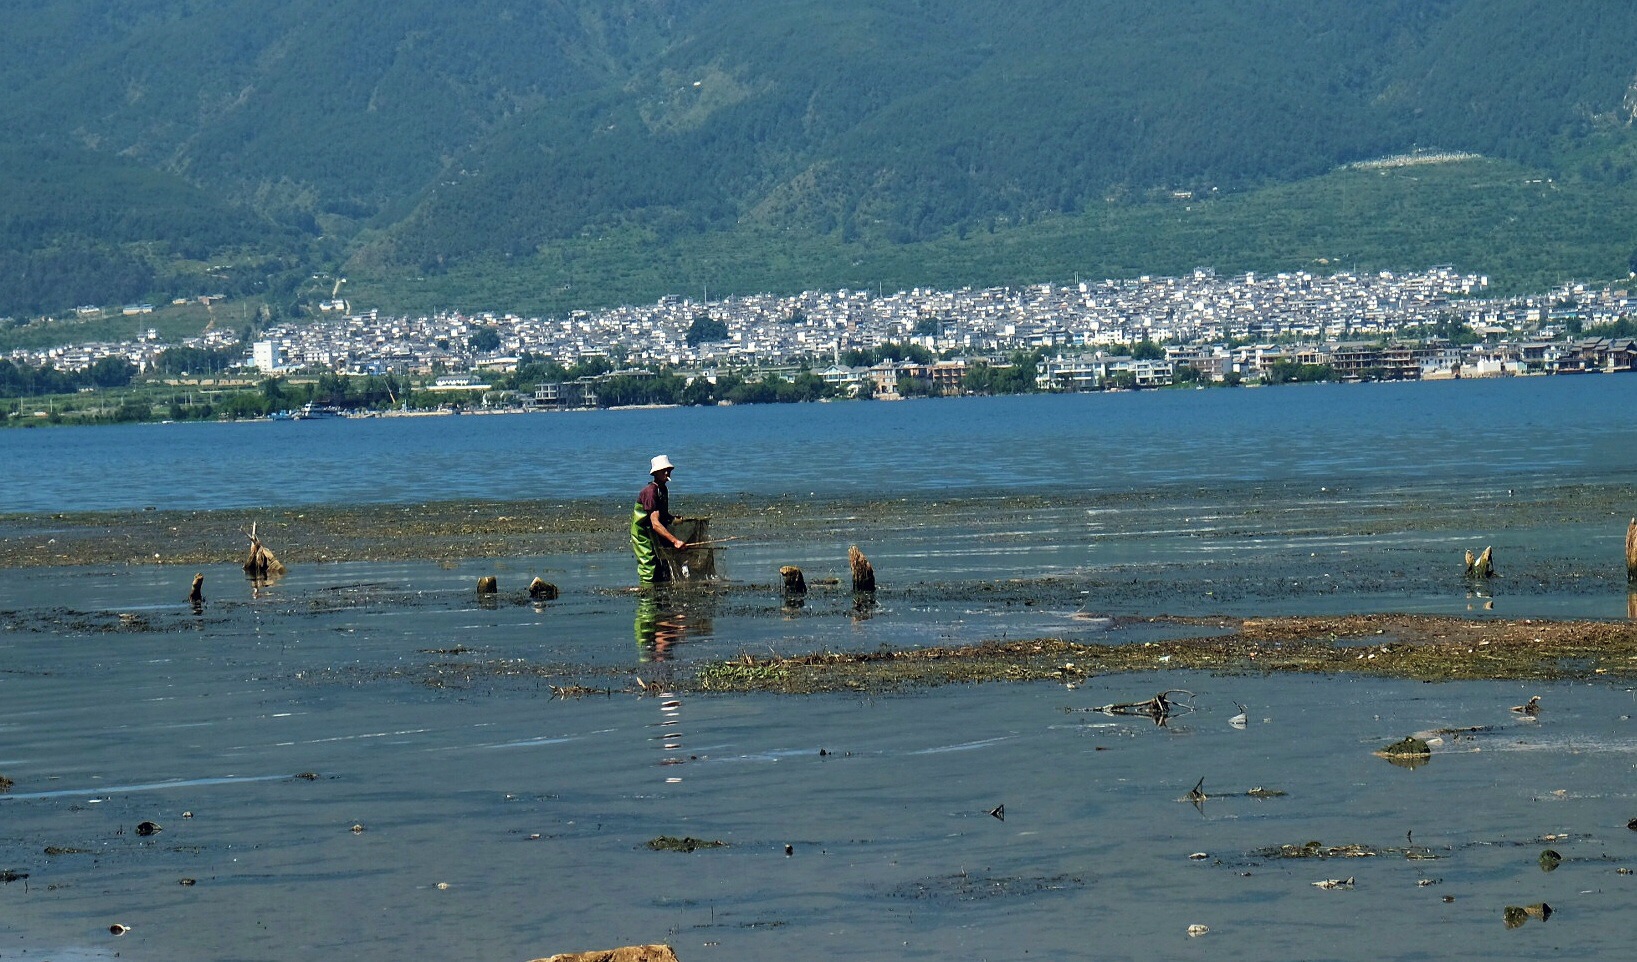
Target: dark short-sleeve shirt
point(654, 497)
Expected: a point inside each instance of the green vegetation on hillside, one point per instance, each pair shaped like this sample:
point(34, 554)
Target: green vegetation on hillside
point(584, 152)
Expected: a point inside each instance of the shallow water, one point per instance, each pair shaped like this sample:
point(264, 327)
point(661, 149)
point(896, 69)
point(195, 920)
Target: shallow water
point(535, 811)
point(428, 718)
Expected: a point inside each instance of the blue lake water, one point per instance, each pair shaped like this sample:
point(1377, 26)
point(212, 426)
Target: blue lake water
point(1395, 436)
point(498, 822)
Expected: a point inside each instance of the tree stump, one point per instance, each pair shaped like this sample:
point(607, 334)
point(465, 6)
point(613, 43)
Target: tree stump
point(197, 595)
point(488, 585)
point(794, 582)
point(628, 953)
point(261, 563)
point(1482, 566)
point(1631, 551)
point(863, 571)
point(542, 590)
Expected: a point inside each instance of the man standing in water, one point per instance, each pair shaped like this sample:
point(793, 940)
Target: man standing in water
point(649, 521)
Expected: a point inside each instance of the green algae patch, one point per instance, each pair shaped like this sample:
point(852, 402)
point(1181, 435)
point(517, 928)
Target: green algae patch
point(670, 843)
point(1419, 647)
point(1407, 747)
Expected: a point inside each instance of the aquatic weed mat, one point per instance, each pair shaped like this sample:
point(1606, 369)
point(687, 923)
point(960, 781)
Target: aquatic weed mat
point(1419, 647)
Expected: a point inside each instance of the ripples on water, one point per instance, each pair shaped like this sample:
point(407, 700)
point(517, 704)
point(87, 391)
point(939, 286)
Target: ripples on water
point(535, 811)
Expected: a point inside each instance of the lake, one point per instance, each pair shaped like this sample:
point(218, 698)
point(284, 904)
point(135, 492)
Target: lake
point(331, 777)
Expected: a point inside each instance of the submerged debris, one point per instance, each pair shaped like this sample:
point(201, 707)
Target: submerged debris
point(1197, 793)
point(1407, 747)
point(1516, 915)
point(1159, 708)
point(669, 843)
point(578, 691)
point(1530, 707)
point(1335, 883)
point(1319, 850)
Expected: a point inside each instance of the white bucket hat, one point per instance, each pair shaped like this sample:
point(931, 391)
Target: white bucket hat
point(660, 463)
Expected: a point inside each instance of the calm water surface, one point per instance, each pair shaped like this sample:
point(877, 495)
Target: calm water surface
point(534, 812)
point(1391, 435)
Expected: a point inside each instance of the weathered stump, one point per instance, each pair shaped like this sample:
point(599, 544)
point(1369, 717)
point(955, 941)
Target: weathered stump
point(197, 595)
point(1482, 566)
point(261, 563)
point(488, 585)
point(628, 953)
point(542, 590)
point(863, 571)
point(794, 582)
point(1631, 551)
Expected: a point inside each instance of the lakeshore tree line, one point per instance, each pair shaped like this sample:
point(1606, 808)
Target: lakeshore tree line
point(179, 385)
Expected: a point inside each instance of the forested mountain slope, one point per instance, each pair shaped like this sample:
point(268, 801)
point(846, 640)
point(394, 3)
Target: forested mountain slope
point(154, 143)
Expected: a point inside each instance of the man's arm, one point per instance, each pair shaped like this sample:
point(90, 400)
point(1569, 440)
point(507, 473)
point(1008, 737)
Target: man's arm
point(659, 526)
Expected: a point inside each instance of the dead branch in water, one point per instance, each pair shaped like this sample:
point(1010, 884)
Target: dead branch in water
point(1158, 708)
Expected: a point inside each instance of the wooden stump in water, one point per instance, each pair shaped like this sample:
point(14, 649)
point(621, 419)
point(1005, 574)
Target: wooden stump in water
point(794, 582)
point(261, 563)
point(626, 953)
point(1631, 551)
point(863, 571)
point(197, 595)
point(542, 590)
point(488, 585)
point(1482, 566)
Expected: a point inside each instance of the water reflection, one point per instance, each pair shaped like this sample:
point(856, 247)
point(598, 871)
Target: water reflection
point(660, 626)
point(261, 584)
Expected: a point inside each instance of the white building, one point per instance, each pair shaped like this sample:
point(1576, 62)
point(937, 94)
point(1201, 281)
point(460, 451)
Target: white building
point(265, 355)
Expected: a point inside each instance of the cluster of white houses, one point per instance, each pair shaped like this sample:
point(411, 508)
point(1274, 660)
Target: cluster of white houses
point(1222, 327)
point(1430, 360)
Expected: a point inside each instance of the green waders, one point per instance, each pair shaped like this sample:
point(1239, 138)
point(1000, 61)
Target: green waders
point(642, 545)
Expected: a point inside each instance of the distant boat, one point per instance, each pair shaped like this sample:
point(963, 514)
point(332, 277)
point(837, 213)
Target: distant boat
point(313, 412)
point(282, 416)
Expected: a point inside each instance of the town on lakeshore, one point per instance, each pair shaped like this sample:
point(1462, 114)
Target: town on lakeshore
point(1137, 333)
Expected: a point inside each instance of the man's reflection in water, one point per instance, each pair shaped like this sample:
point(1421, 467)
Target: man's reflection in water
point(660, 625)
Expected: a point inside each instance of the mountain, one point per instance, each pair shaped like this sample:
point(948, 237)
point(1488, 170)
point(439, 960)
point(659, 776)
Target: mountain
point(498, 148)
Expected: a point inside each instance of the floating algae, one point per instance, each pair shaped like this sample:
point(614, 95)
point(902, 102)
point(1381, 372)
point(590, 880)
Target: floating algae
point(669, 843)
